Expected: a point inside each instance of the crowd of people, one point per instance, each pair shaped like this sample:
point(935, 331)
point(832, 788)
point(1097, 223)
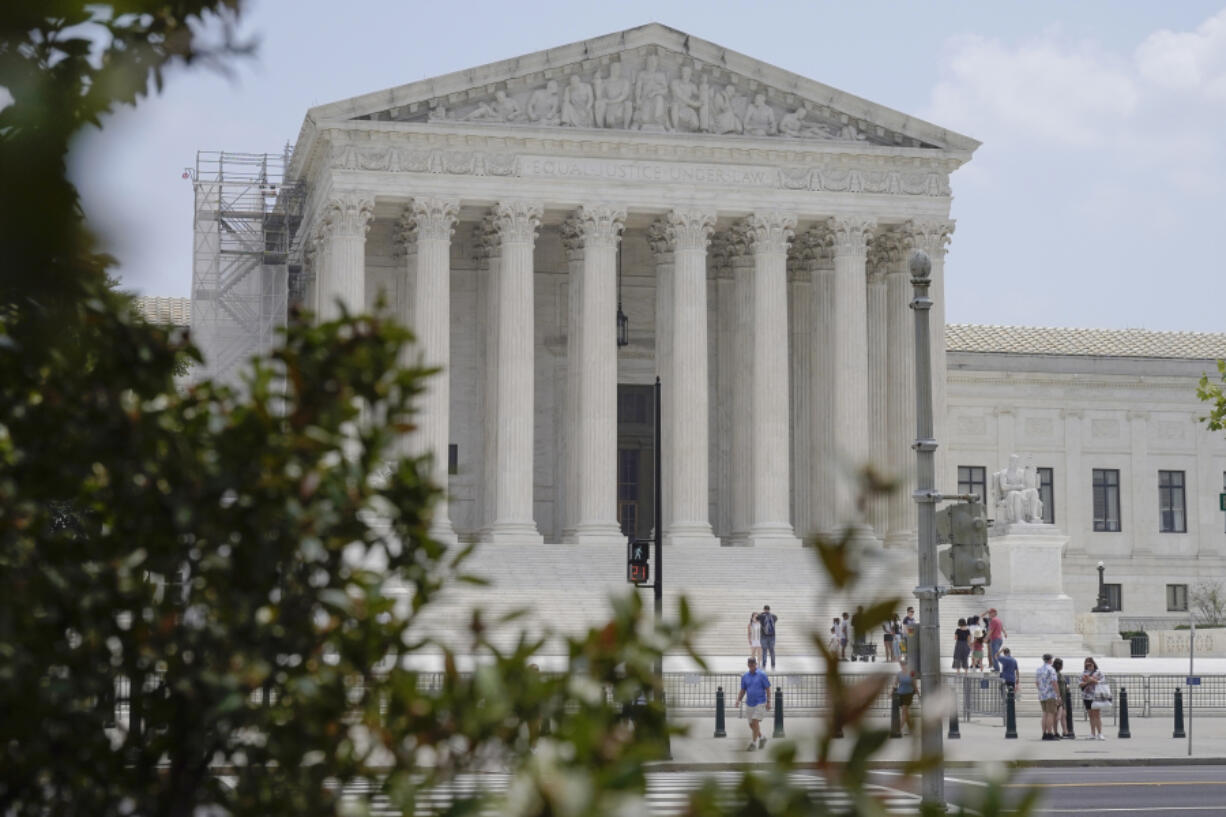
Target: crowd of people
point(977, 639)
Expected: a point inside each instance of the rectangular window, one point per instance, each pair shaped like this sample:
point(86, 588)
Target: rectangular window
point(1115, 598)
point(1047, 494)
point(1106, 484)
point(1177, 598)
point(1172, 502)
point(973, 479)
point(453, 459)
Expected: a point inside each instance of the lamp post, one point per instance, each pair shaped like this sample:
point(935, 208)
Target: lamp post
point(927, 496)
point(1104, 605)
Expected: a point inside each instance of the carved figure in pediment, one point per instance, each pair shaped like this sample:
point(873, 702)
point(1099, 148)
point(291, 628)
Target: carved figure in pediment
point(502, 109)
point(851, 133)
point(577, 104)
point(613, 106)
point(438, 112)
point(683, 113)
point(794, 124)
point(704, 105)
point(543, 105)
point(760, 117)
point(723, 111)
point(651, 96)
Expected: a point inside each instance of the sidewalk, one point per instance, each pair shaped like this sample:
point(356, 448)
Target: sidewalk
point(983, 741)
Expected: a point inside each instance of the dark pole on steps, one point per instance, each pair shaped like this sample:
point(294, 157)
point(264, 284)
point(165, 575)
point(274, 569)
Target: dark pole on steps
point(1010, 717)
point(1124, 731)
point(1069, 734)
point(778, 713)
point(719, 713)
point(658, 588)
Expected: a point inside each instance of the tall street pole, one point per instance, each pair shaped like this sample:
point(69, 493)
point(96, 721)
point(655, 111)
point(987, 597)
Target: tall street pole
point(927, 496)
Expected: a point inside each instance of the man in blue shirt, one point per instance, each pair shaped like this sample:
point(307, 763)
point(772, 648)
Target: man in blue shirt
point(755, 690)
point(1008, 669)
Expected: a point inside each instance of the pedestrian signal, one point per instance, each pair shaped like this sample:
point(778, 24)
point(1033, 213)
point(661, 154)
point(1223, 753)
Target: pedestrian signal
point(638, 556)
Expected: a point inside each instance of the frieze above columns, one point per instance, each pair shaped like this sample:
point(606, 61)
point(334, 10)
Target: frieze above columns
point(663, 164)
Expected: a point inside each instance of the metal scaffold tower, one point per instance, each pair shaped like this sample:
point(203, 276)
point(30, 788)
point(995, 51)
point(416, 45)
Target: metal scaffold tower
point(245, 255)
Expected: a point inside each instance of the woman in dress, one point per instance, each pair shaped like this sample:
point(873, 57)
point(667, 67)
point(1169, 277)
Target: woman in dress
point(887, 630)
point(1061, 690)
point(1091, 677)
point(755, 637)
point(962, 646)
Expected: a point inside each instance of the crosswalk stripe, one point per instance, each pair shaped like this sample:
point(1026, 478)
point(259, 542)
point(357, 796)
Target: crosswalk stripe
point(667, 793)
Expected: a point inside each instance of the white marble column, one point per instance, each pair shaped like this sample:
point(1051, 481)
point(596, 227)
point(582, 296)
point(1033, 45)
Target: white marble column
point(800, 325)
point(878, 385)
point(513, 522)
point(342, 254)
point(742, 400)
point(811, 251)
point(686, 401)
point(770, 523)
point(932, 237)
point(720, 258)
point(662, 253)
point(900, 410)
point(850, 375)
point(427, 227)
point(591, 237)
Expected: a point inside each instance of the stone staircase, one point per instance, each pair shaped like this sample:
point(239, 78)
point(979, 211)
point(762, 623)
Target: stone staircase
point(567, 588)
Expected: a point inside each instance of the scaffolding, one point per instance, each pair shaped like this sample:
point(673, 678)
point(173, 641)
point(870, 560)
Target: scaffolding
point(245, 258)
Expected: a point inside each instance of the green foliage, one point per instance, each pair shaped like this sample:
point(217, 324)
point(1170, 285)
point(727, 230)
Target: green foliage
point(1213, 394)
point(252, 564)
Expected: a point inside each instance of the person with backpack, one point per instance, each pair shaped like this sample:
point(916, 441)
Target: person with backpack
point(767, 619)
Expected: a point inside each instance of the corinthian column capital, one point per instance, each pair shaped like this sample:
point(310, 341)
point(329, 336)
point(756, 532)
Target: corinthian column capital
point(850, 234)
point(930, 235)
point(768, 232)
point(516, 221)
point(684, 229)
point(590, 226)
point(347, 215)
point(430, 218)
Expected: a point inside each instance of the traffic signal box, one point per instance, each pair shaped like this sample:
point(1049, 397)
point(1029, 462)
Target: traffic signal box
point(966, 562)
point(638, 558)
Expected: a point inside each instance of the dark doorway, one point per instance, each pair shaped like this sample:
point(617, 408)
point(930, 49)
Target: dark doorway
point(635, 459)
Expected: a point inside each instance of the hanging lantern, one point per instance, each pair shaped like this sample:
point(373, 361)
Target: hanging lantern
point(623, 322)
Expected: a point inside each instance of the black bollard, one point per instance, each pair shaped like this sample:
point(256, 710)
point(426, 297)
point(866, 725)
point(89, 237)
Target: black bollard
point(954, 734)
point(719, 713)
point(1124, 733)
point(778, 733)
point(895, 717)
point(1010, 716)
point(1179, 733)
point(1069, 734)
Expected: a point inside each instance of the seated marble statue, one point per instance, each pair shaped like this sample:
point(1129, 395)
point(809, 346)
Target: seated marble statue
point(543, 105)
point(577, 104)
point(1017, 494)
point(760, 117)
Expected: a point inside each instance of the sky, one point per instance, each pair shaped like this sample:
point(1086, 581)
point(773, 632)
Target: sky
point(1097, 199)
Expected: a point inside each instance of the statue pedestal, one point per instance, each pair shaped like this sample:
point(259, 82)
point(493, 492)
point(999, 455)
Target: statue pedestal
point(1028, 571)
point(1101, 632)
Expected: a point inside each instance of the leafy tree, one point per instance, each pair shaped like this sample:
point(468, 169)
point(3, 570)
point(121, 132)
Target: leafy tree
point(1213, 394)
point(1208, 601)
point(240, 574)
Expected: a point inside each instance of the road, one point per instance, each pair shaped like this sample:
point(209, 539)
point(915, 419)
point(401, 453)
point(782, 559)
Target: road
point(1093, 791)
point(1086, 791)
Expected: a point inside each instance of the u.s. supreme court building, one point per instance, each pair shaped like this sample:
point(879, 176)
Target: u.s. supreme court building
point(754, 228)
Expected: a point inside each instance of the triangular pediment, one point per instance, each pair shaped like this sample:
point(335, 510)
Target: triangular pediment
point(651, 79)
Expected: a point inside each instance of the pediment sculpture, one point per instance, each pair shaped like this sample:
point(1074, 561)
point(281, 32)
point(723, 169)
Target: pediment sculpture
point(644, 92)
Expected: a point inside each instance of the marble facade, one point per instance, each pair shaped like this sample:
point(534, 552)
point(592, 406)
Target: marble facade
point(762, 223)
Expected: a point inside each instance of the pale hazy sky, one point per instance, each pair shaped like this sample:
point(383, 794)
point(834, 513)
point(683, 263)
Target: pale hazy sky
point(1097, 199)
